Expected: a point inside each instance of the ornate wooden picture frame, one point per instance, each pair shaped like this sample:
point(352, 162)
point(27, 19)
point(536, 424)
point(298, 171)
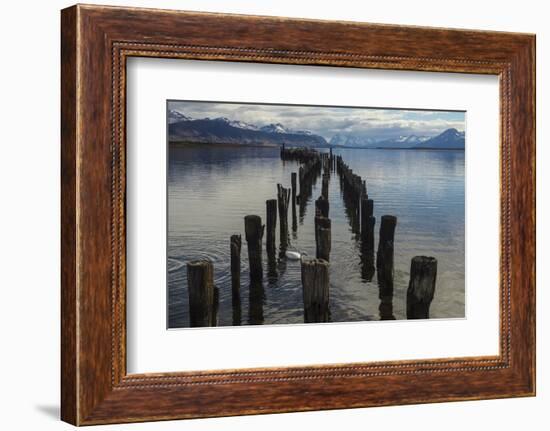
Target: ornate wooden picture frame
point(96, 41)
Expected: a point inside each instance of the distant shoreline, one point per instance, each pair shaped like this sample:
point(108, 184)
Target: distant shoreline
point(217, 144)
point(420, 149)
point(272, 146)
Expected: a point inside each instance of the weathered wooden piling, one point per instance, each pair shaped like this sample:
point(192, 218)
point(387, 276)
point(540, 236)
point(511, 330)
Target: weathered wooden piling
point(323, 238)
point(367, 223)
point(326, 164)
point(254, 232)
point(322, 206)
point(270, 225)
point(293, 201)
point(293, 185)
point(324, 186)
point(256, 302)
point(308, 172)
point(367, 263)
point(215, 306)
point(272, 273)
point(384, 257)
point(315, 288)
point(283, 198)
point(235, 249)
point(421, 287)
point(301, 175)
point(386, 307)
point(200, 286)
point(367, 248)
point(353, 188)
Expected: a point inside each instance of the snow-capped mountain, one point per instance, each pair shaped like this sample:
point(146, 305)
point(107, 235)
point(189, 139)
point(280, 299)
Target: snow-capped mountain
point(242, 125)
point(275, 128)
point(237, 124)
point(403, 141)
point(449, 139)
point(351, 140)
point(175, 116)
point(279, 128)
point(411, 139)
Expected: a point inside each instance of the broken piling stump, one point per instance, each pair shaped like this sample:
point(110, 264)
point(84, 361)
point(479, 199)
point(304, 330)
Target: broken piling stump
point(200, 286)
point(315, 287)
point(322, 206)
point(421, 287)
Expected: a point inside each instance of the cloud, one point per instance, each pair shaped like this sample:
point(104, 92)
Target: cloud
point(327, 121)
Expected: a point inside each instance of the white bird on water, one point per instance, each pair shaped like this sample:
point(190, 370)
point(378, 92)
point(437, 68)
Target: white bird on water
point(294, 255)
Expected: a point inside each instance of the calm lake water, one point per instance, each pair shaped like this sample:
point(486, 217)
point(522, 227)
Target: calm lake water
point(211, 189)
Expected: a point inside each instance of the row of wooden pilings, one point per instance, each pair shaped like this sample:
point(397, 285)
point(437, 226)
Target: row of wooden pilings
point(314, 271)
point(203, 295)
point(360, 209)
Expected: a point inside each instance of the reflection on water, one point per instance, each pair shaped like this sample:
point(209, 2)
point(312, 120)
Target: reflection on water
point(210, 190)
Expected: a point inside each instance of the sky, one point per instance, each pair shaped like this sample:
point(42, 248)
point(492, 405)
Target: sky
point(327, 121)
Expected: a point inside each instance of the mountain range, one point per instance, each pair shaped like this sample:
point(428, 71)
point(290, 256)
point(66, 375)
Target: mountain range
point(360, 141)
point(222, 130)
point(225, 131)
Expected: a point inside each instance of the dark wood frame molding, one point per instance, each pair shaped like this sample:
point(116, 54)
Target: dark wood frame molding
point(95, 43)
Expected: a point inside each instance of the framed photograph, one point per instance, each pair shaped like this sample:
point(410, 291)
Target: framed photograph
point(322, 214)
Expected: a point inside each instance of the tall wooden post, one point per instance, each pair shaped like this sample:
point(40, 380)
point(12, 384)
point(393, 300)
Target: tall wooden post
point(271, 223)
point(200, 286)
point(322, 237)
point(293, 202)
point(366, 213)
point(421, 287)
point(301, 174)
point(255, 302)
point(315, 286)
point(283, 198)
point(384, 257)
point(235, 248)
point(254, 232)
point(293, 185)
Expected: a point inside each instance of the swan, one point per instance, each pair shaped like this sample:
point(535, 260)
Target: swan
point(294, 255)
